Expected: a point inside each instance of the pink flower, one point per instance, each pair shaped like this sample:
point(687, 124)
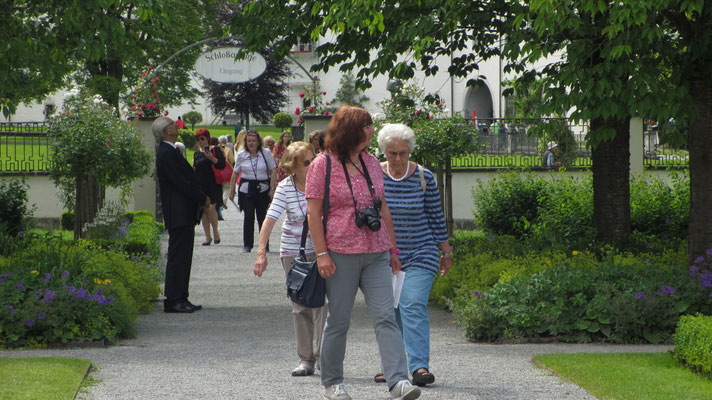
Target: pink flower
point(156, 79)
point(133, 107)
point(139, 114)
point(166, 113)
point(311, 109)
point(300, 120)
point(301, 94)
point(150, 67)
point(326, 113)
point(297, 111)
point(151, 84)
point(430, 116)
point(313, 90)
point(143, 74)
point(417, 111)
point(328, 104)
point(440, 105)
point(143, 106)
point(324, 93)
point(128, 118)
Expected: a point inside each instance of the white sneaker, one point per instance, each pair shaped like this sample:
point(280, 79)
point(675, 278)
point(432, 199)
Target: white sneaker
point(337, 392)
point(403, 390)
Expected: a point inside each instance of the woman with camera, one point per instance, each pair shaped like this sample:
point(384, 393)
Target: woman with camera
point(202, 162)
point(413, 198)
point(358, 250)
point(258, 179)
point(289, 199)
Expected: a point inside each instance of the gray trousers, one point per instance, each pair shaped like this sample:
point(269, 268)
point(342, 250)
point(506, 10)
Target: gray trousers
point(308, 323)
point(372, 273)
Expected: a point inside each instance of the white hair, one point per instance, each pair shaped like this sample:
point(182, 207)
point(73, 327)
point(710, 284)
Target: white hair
point(159, 125)
point(180, 146)
point(222, 139)
point(391, 132)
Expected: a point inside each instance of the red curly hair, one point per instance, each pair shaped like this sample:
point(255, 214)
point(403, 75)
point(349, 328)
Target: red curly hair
point(345, 131)
point(202, 132)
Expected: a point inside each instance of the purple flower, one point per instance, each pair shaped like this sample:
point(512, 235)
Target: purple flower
point(72, 289)
point(640, 295)
point(21, 234)
point(20, 286)
point(49, 296)
point(81, 293)
point(699, 259)
point(709, 252)
point(41, 315)
point(47, 277)
point(694, 268)
point(85, 283)
point(665, 289)
point(29, 322)
point(478, 294)
point(65, 274)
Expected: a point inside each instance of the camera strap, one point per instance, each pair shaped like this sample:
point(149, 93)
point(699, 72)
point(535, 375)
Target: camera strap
point(365, 175)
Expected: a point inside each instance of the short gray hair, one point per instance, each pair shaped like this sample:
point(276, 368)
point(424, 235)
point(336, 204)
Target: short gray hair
point(391, 132)
point(223, 139)
point(159, 125)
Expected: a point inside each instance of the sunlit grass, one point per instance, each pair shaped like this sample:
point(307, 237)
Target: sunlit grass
point(41, 378)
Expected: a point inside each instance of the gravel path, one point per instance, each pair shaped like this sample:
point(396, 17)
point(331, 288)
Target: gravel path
point(242, 346)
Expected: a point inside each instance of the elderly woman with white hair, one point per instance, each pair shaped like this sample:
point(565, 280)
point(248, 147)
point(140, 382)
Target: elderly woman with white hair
point(412, 196)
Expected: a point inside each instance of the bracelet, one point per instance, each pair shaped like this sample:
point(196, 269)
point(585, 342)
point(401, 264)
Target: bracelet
point(395, 251)
point(448, 255)
point(323, 253)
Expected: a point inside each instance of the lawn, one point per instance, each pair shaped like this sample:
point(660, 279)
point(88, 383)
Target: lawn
point(41, 378)
point(623, 376)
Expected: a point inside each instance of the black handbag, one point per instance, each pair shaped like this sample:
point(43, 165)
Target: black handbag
point(304, 284)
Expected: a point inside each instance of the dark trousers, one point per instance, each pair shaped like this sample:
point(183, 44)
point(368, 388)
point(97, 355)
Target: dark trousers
point(180, 259)
point(251, 206)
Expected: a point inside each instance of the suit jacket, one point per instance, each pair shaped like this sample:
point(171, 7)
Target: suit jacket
point(181, 198)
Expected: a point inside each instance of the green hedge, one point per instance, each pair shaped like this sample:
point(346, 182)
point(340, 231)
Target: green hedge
point(693, 343)
point(143, 236)
point(624, 298)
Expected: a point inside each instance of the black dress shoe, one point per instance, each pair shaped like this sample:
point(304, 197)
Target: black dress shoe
point(178, 308)
point(195, 307)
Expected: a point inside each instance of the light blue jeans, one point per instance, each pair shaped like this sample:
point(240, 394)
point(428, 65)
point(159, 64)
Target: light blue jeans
point(412, 317)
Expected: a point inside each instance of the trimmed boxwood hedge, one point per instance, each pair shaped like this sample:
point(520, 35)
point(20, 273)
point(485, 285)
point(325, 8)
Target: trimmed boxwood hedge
point(693, 343)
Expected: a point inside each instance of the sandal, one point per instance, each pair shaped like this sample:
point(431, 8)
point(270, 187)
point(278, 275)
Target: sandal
point(423, 378)
point(206, 243)
point(379, 378)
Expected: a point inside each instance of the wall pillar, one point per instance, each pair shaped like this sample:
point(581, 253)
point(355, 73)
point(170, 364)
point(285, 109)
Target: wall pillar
point(636, 146)
point(144, 196)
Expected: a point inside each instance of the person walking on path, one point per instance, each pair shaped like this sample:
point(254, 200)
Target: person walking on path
point(258, 180)
point(182, 203)
point(412, 196)
point(358, 251)
point(289, 198)
point(203, 160)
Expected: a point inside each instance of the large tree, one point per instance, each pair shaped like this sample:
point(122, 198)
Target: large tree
point(101, 44)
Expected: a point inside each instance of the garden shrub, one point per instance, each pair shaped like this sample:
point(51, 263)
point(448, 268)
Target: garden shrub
point(67, 221)
point(658, 208)
point(65, 291)
point(508, 204)
point(143, 236)
point(615, 301)
point(14, 211)
point(565, 213)
point(693, 343)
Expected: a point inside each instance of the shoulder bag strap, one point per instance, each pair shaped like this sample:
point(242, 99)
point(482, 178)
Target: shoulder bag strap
point(305, 228)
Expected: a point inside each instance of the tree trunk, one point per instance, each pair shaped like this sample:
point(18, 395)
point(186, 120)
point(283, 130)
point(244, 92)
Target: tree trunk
point(699, 139)
point(441, 184)
point(611, 183)
point(89, 200)
point(449, 222)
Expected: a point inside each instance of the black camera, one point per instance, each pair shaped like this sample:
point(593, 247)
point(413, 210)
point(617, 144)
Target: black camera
point(370, 217)
point(207, 148)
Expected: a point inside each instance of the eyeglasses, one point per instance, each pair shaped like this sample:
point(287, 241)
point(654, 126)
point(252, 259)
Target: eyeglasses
point(401, 154)
point(306, 162)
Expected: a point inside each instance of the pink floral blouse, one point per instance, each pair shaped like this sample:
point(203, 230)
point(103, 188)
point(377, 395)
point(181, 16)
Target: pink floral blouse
point(342, 234)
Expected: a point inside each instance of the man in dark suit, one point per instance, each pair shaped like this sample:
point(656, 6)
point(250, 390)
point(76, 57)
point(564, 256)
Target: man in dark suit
point(181, 202)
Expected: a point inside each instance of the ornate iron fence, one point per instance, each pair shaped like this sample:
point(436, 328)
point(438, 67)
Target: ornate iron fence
point(516, 143)
point(24, 148)
point(665, 145)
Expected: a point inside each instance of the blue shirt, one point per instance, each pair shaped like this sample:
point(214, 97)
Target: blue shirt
point(418, 220)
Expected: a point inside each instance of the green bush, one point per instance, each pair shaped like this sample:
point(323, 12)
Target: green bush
point(508, 204)
point(659, 208)
point(188, 139)
point(191, 118)
point(623, 299)
point(14, 211)
point(565, 213)
point(282, 120)
point(693, 343)
point(65, 291)
point(67, 221)
point(143, 237)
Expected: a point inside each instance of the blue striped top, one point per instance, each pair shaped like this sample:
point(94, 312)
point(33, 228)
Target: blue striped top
point(418, 220)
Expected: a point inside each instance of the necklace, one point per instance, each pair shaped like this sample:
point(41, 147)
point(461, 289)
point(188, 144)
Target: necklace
point(388, 171)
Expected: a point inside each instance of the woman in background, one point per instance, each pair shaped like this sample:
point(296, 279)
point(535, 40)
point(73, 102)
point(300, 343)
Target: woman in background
point(203, 159)
point(258, 180)
point(279, 150)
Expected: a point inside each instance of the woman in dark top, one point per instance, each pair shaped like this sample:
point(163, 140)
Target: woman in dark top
point(202, 161)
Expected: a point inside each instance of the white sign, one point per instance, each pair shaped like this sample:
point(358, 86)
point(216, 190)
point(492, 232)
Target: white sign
point(220, 65)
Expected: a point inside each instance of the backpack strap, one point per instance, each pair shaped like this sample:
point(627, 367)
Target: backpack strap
point(422, 177)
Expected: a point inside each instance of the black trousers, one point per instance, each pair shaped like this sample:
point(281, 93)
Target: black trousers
point(180, 260)
point(250, 206)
